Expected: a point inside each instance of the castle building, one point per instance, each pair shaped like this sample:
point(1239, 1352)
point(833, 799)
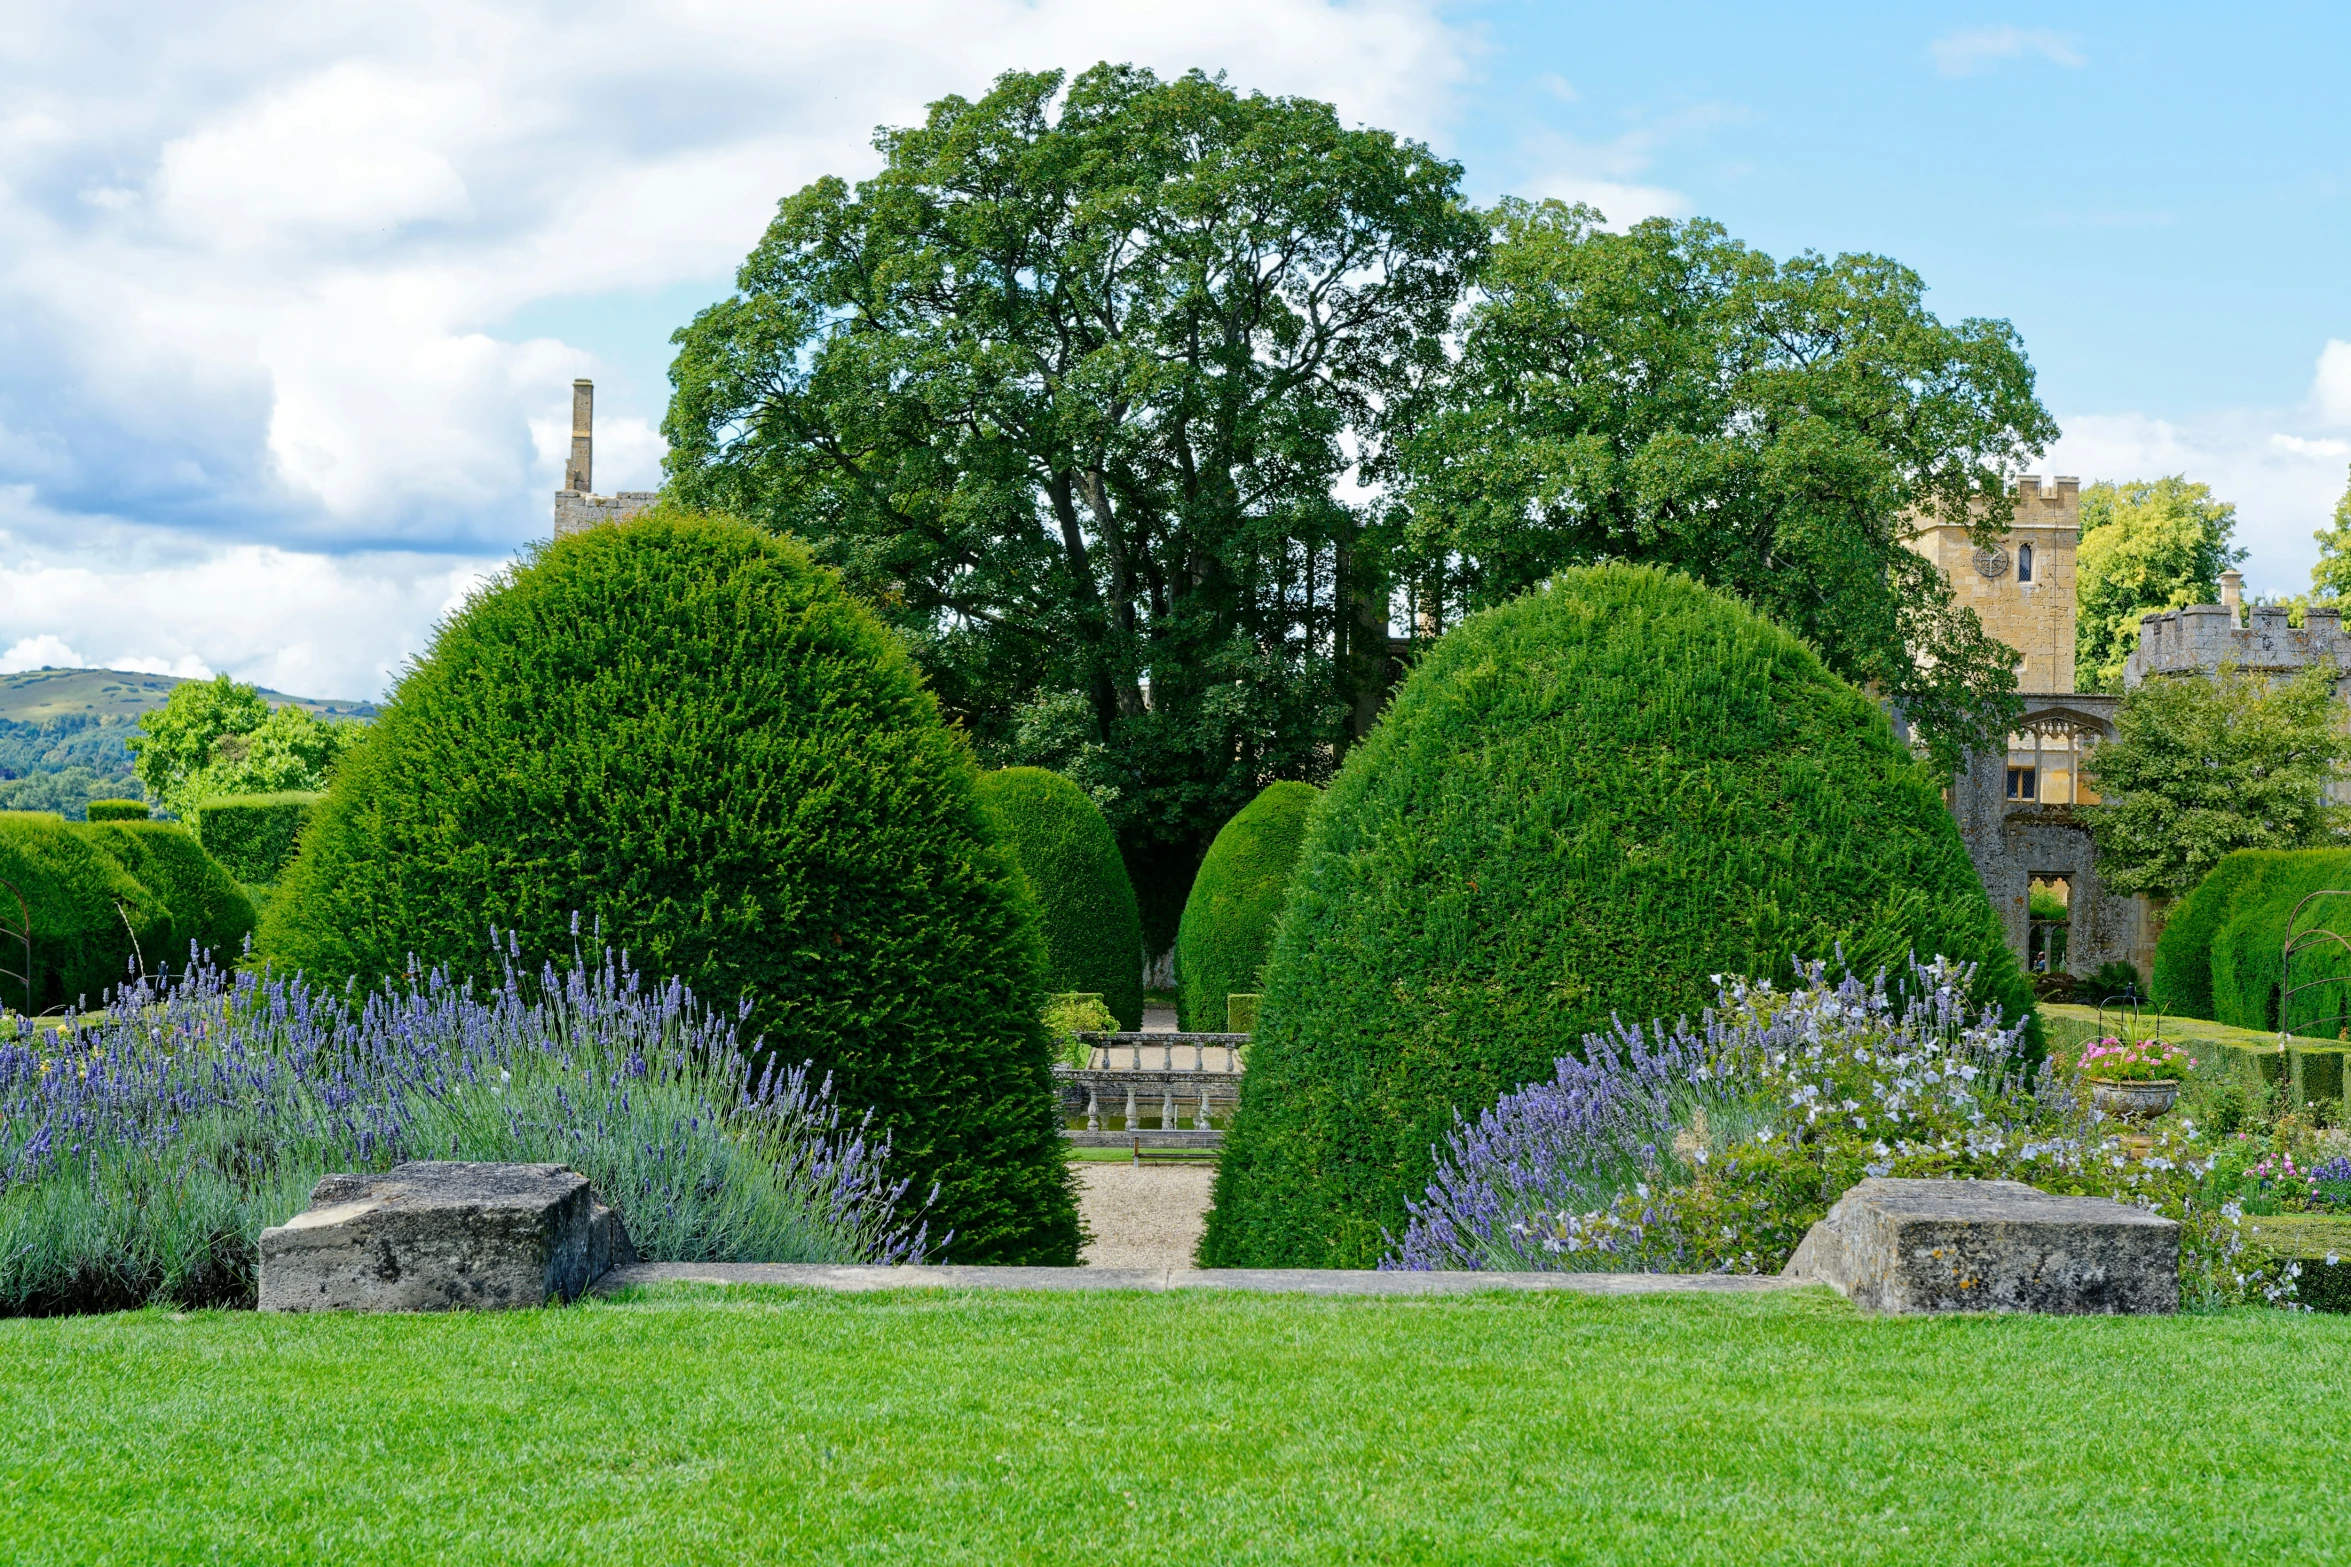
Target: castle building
point(576, 504)
point(2017, 807)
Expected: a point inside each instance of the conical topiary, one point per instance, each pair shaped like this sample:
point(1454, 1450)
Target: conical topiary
point(1093, 935)
point(1228, 925)
point(1583, 804)
point(685, 733)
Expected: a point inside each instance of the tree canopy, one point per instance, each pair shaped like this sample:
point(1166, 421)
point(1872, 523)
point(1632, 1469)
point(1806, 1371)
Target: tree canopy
point(1670, 395)
point(2204, 764)
point(1069, 391)
point(1139, 404)
point(2148, 544)
point(219, 737)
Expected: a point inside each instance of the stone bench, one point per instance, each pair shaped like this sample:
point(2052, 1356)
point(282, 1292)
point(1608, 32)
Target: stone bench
point(1906, 1247)
point(442, 1236)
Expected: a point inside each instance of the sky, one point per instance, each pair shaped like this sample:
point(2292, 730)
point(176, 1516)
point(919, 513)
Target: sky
point(292, 295)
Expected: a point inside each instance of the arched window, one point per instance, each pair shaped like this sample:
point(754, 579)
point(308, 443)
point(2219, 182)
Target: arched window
point(2024, 563)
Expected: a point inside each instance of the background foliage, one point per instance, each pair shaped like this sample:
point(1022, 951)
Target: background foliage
point(1667, 394)
point(2149, 544)
point(1093, 936)
point(221, 737)
point(684, 732)
point(1585, 803)
point(2205, 764)
point(1229, 919)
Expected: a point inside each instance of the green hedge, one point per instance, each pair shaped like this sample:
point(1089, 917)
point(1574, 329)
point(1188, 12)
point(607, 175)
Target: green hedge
point(2247, 947)
point(91, 918)
point(1580, 805)
point(255, 835)
point(684, 732)
point(1093, 934)
point(207, 909)
point(2181, 979)
point(118, 811)
point(1228, 924)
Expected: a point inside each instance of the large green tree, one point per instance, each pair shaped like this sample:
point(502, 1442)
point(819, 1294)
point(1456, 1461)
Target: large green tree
point(219, 736)
point(1667, 394)
point(1072, 391)
point(2146, 545)
point(2203, 764)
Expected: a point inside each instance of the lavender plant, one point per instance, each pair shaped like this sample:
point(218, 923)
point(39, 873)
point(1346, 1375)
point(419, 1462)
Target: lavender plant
point(143, 1148)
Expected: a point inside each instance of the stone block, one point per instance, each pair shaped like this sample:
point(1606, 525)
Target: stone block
point(1908, 1247)
point(442, 1236)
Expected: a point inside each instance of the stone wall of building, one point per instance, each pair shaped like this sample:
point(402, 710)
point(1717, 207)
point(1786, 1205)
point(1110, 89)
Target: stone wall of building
point(574, 511)
point(2032, 613)
point(2203, 637)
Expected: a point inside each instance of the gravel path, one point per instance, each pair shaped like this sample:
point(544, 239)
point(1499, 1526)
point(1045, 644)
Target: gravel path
point(1143, 1216)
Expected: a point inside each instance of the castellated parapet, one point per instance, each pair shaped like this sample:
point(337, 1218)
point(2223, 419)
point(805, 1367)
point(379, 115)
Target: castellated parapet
point(576, 506)
point(2202, 637)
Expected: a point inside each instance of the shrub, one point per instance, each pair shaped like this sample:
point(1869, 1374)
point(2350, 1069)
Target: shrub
point(1228, 924)
point(1093, 935)
point(92, 920)
point(686, 732)
point(2248, 946)
point(255, 835)
point(118, 811)
point(208, 911)
point(1074, 1013)
point(2181, 976)
point(139, 1171)
point(1582, 804)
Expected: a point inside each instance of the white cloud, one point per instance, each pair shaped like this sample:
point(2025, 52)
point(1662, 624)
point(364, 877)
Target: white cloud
point(1607, 174)
point(255, 261)
point(2278, 465)
point(1969, 50)
point(45, 651)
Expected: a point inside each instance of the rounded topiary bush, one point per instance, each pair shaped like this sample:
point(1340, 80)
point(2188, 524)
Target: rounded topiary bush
point(92, 920)
point(207, 909)
point(1093, 934)
point(1583, 804)
point(1228, 925)
point(684, 732)
point(2182, 975)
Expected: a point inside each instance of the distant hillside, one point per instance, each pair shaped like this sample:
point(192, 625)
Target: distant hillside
point(62, 733)
point(38, 695)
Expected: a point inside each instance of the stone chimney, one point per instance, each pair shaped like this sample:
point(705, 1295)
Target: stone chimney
point(2232, 594)
point(580, 474)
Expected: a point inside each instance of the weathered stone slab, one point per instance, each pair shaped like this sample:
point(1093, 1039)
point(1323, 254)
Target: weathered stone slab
point(442, 1236)
point(1908, 1247)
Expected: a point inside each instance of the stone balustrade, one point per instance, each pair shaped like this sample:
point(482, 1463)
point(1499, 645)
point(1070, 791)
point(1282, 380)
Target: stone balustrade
point(1181, 1077)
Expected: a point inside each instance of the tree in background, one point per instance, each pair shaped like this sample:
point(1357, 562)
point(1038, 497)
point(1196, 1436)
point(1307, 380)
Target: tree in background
point(2149, 544)
point(1670, 395)
point(1068, 392)
point(2330, 579)
point(2203, 764)
point(219, 736)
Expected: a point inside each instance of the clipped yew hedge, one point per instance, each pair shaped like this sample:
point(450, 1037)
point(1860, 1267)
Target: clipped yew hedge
point(117, 811)
point(1093, 933)
point(255, 835)
point(2234, 925)
point(205, 909)
point(685, 733)
point(1580, 805)
point(91, 918)
point(1228, 924)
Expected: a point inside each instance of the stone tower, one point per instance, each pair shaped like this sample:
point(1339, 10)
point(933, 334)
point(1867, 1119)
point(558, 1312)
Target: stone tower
point(2021, 588)
point(576, 507)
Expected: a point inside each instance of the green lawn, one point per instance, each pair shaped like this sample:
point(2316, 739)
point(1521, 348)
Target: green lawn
point(1195, 1428)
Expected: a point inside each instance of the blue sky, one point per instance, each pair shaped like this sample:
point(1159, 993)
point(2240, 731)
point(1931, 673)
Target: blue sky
point(291, 297)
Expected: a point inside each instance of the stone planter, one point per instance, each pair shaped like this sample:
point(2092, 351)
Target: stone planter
point(2134, 1101)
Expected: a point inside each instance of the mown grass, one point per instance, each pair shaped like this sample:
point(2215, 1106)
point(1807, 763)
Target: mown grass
point(687, 1425)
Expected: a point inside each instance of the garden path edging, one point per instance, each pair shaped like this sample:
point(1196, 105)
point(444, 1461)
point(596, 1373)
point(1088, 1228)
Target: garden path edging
point(1282, 1281)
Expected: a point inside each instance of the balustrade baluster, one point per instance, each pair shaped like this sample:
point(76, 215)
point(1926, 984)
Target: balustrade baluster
point(1169, 1119)
point(1093, 1107)
point(1134, 1122)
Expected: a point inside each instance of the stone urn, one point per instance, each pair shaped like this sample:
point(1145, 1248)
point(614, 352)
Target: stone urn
point(2141, 1100)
